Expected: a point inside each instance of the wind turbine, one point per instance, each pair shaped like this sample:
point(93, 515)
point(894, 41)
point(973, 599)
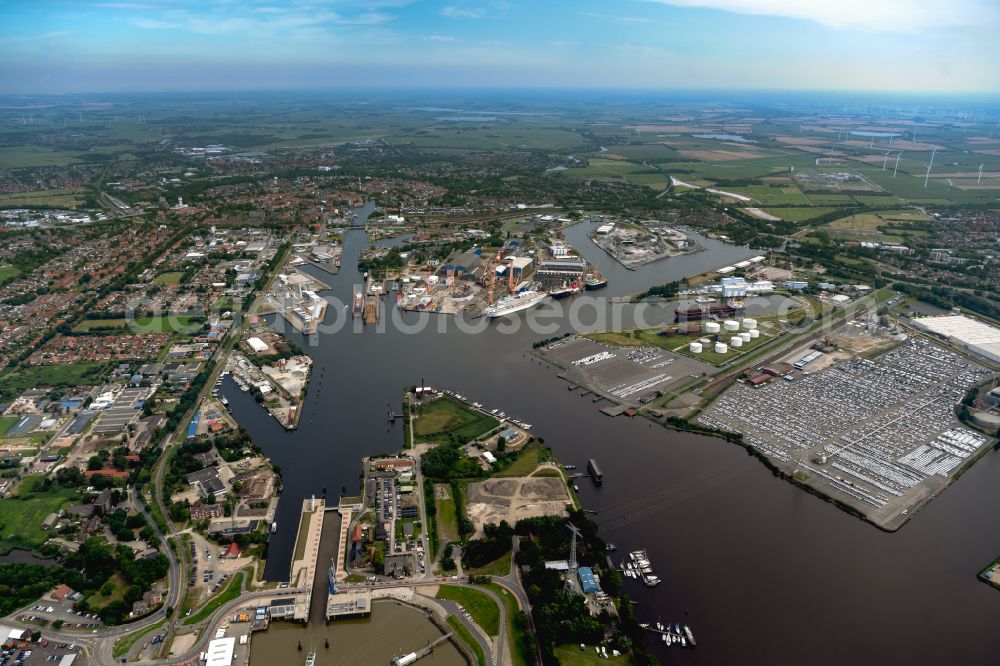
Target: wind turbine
point(929, 166)
point(885, 159)
point(980, 179)
point(897, 164)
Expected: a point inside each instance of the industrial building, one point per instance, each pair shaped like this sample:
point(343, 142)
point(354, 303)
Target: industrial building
point(355, 603)
point(220, 652)
point(970, 334)
point(553, 273)
point(587, 581)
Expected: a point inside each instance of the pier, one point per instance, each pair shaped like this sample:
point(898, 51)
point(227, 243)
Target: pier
point(595, 471)
point(407, 659)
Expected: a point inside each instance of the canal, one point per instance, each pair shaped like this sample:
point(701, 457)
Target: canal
point(760, 570)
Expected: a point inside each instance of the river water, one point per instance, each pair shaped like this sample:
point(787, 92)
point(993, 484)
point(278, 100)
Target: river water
point(762, 571)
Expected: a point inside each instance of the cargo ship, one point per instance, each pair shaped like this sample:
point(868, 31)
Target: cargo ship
point(511, 304)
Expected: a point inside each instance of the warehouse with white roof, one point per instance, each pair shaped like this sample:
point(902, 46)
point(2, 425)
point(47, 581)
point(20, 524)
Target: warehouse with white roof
point(971, 334)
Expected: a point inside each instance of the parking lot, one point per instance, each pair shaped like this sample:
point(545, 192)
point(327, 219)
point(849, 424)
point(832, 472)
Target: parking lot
point(879, 435)
point(630, 375)
point(47, 611)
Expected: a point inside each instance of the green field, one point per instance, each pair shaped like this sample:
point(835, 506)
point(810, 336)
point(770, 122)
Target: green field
point(158, 324)
point(527, 460)
point(71, 197)
point(498, 567)
point(97, 600)
point(6, 423)
point(21, 515)
point(8, 273)
point(64, 376)
point(447, 518)
point(124, 644)
point(169, 279)
point(571, 654)
point(799, 214)
point(231, 592)
point(483, 610)
point(447, 416)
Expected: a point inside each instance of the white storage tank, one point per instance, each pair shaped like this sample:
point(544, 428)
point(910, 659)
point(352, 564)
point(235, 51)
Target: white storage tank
point(721, 348)
point(736, 342)
point(712, 327)
point(705, 341)
point(749, 324)
point(695, 347)
point(754, 333)
point(745, 336)
point(731, 325)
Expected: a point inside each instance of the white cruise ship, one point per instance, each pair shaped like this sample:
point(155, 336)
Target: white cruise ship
point(511, 304)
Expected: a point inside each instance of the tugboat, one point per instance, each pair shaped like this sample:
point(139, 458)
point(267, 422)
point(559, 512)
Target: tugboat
point(565, 290)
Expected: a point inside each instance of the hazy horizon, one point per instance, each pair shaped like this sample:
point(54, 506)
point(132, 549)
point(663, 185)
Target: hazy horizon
point(895, 46)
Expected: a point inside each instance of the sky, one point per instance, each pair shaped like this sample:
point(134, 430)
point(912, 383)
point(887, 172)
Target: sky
point(70, 46)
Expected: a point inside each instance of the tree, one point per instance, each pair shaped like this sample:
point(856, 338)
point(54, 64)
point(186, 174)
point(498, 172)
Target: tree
point(501, 444)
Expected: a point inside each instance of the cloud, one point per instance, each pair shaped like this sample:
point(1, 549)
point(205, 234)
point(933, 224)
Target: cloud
point(451, 11)
point(875, 15)
point(441, 38)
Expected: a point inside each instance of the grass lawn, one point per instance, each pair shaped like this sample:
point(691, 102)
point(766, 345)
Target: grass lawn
point(800, 214)
point(467, 638)
point(72, 374)
point(159, 324)
point(6, 423)
point(8, 273)
point(513, 633)
point(571, 654)
point(447, 518)
point(498, 567)
point(300, 540)
point(231, 592)
point(98, 601)
point(21, 515)
point(446, 415)
point(124, 644)
point(483, 610)
point(527, 460)
point(169, 279)
point(615, 338)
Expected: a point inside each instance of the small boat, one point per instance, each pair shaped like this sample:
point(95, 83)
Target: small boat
point(311, 658)
point(690, 635)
